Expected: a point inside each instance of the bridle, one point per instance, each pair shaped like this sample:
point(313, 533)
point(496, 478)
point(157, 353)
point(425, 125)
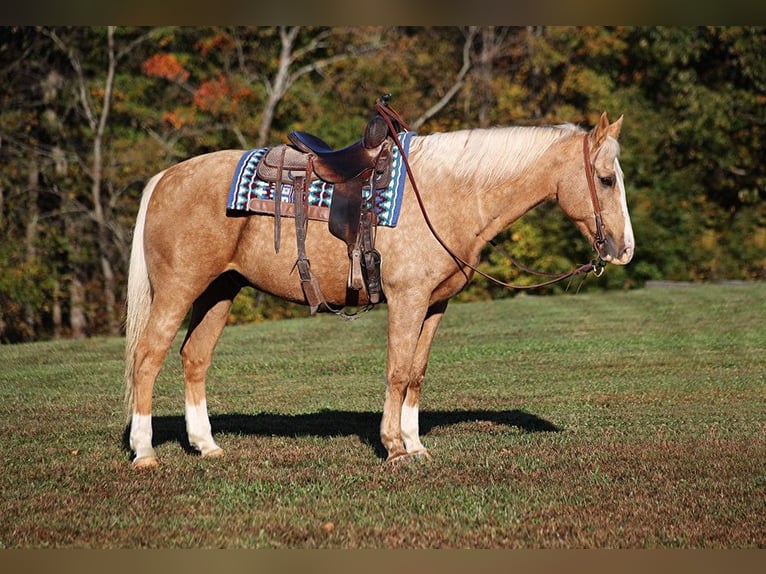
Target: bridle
point(596, 266)
point(600, 238)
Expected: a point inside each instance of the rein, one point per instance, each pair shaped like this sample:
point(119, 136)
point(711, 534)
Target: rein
point(596, 266)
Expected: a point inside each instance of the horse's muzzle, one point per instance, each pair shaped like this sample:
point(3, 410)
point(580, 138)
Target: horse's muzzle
point(623, 256)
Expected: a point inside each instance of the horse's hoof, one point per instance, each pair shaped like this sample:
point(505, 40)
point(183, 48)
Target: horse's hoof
point(408, 457)
point(423, 455)
point(396, 457)
point(146, 462)
point(215, 453)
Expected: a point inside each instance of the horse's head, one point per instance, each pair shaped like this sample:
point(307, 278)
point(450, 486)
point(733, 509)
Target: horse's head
point(603, 203)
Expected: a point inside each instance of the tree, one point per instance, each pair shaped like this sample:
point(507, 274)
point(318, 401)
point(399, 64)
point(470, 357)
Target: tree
point(94, 91)
point(23, 289)
point(707, 184)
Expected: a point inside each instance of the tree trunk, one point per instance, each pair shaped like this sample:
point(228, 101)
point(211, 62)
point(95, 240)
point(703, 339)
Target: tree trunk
point(280, 84)
point(77, 319)
point(56, 314)
point(456, 84)
point(112, 325)
point(485, 74)
point(535, 82)
point(30, 240)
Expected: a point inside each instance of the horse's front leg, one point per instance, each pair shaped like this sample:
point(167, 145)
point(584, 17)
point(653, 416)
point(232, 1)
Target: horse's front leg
point(405, 321)
point(410, 409)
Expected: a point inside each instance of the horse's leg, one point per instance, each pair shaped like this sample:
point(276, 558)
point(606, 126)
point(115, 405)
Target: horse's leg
point(410, 408)
point(405, 321)
point(166, 314)
point(208, 319)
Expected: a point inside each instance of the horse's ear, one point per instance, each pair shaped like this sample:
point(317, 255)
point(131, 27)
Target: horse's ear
point(604, 129)
point(599, 133)
point(614, 129)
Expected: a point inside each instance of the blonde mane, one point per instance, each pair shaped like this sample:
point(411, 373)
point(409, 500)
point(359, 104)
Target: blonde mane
point(482, 155)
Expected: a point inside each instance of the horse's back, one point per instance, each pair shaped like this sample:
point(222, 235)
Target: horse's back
point(196, 187)
point(211, 171)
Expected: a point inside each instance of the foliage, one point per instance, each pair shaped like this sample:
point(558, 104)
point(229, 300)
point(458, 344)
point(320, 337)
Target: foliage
point(88, 114)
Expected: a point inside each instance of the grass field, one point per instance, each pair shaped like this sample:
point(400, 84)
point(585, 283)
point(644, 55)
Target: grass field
point(621, 419)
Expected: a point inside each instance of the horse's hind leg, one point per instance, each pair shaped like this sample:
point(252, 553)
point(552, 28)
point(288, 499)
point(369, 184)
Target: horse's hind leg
point(209, 314)
point(165, 318)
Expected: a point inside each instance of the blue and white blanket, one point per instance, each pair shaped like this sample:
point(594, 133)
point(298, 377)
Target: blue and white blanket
point(248, 194)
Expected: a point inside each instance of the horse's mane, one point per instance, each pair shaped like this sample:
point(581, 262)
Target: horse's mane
point(481, 155)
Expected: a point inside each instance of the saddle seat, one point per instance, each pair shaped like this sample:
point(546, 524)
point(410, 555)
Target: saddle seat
point(344, 164)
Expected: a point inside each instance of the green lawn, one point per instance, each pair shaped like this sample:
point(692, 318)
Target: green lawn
point(620, 419)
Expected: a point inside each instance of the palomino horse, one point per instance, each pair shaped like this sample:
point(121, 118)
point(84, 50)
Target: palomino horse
point(472, 184)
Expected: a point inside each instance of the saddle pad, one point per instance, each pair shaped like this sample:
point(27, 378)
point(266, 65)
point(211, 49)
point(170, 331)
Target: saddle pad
point(248, 194)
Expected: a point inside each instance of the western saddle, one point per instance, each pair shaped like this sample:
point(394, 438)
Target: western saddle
point(356, 171)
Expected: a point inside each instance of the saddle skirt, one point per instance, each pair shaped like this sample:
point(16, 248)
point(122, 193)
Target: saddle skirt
point(249, 194)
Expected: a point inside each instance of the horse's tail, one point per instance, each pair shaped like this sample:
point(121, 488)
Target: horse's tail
point(139, 297)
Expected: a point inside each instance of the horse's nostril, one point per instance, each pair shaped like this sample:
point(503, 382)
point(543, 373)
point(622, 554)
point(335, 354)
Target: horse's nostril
point(627, 254)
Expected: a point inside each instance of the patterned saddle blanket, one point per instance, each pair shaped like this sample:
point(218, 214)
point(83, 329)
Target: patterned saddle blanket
point(249, 194)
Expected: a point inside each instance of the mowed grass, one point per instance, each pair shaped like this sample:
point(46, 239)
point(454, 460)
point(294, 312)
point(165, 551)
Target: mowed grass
point(621, 419)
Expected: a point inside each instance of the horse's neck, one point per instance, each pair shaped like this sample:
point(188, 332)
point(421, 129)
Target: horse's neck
point(493, 177)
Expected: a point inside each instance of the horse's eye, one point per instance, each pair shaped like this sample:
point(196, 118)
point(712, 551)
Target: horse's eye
point(606, 181)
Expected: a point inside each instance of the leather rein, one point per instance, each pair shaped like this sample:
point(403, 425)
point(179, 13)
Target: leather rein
point(596, 266)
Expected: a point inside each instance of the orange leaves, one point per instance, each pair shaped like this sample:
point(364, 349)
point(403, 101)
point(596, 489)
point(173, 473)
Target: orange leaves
point(217, 42)
point(220, 96)
point(212, 95)
point(179, 117)
point(165, 66)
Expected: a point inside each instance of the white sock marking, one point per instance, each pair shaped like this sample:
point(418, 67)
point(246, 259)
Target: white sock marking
point(198, 428)
point(410, 429)
point(141, 436)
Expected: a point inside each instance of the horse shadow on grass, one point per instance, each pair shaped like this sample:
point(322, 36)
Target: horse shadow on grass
point(332, 423)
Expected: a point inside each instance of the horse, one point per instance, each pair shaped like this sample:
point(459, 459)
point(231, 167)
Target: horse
point(471, 184)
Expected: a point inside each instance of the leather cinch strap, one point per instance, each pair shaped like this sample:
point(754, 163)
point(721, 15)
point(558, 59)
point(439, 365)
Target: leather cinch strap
point(309, 283)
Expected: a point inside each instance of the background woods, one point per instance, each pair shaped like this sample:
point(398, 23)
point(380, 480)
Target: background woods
point(87, 115)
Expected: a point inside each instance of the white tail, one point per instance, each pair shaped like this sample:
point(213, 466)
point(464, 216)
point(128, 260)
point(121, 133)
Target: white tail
point(139, 296)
